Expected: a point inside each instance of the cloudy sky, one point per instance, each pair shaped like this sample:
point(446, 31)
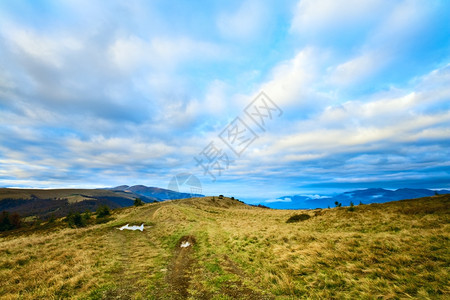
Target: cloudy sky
point(104, 93)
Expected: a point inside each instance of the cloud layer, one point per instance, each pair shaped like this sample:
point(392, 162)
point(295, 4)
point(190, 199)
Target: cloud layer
point(105, 94)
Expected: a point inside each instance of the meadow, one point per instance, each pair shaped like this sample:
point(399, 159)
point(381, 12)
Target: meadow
point(393, 250)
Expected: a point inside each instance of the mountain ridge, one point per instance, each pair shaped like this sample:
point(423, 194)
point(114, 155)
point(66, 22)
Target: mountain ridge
point(365, 196)
point(155, 192)
point(46, 203)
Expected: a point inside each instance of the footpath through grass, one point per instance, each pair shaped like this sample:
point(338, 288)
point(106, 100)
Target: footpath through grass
point(392, 250)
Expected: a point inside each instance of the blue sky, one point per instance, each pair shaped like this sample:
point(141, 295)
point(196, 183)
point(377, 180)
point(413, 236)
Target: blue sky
point(104, 93)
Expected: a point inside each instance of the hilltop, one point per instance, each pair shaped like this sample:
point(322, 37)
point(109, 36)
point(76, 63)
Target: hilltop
point(390, 250)
point(45, 203)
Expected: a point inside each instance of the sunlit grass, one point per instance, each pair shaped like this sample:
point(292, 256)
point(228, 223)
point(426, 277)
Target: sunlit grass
point(393, 250)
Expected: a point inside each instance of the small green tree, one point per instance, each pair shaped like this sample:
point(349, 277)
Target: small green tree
point(87, 215)
point(103, 211)
point(78, 220)
point(138, 202)
point(52, 219)
point(337, 204)
point(9, 221)
point(5, 222)
point(352, 206)
point(75, 220)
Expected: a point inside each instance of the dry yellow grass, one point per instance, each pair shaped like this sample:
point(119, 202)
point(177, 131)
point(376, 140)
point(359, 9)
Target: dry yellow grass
point(389, 251)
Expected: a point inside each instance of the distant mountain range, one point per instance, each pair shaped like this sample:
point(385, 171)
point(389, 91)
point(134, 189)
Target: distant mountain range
point(153, 193)
point(59, 202)
point(367, 196)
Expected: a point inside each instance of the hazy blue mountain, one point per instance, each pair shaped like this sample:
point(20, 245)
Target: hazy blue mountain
point(367, 196)
point(154, 192)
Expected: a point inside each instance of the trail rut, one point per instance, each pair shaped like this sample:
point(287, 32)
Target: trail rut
point(179, 271)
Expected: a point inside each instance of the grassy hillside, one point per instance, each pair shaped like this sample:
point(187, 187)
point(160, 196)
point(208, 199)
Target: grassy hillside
point(46, 203)
point(392, 250)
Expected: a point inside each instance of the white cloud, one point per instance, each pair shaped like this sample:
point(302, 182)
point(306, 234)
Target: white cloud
point(246, 22)
point(47, 49)
point(163, 53)
point(291, 81)
point(401, 24)
point(358, 68)
point(112, 151)
point(286, 199)
point(366, 38)
point(216, 98)
point(138, 91)
point(380, 122)
point(315, 17)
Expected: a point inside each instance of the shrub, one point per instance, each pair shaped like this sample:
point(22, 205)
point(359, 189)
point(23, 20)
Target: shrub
point(75, 220)
point(9, 221)
point(337, 204)
point(138, 202)
point(352, 207)
point(220, 197)
point(103, 211)
point(52, 219)
point(298, 218)
point(5, 223)
point(87, 215)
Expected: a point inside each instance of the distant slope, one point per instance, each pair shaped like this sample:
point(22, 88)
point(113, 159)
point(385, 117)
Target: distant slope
point(59, 202)
point(367, 196)
point(154, 192)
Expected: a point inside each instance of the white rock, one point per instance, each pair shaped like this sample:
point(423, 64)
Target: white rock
point(134, 227)
point(185, 244)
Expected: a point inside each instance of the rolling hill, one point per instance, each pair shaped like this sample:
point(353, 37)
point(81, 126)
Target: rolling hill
point(211, 248)
point(59, 202)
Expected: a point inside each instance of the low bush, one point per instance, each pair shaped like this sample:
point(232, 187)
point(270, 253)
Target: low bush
point(138, 202)
point(9, 221)
point(298, 218)
point(75, 220)
point(103, 211)
point(352, 207)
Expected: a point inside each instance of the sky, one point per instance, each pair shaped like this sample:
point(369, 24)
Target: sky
point(255, 99)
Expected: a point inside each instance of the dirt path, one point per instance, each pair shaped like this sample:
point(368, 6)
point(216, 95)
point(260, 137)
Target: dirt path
point(124, 288)
point(179, 271)
point(134, 260)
